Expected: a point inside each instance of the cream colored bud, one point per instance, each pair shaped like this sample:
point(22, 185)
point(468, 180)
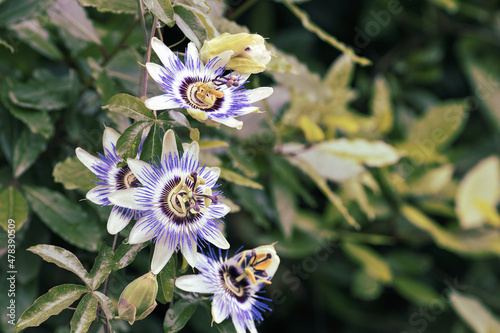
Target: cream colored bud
point(250, 53)
point(138, 299)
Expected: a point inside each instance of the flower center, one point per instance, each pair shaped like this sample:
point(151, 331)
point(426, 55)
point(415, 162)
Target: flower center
point(254, 266)
point(233, 285)
point(183, 198)
point(203, 95)
point(126, 179)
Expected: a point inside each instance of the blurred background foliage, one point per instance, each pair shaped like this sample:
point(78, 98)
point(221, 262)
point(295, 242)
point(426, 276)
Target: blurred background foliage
point(380, 182)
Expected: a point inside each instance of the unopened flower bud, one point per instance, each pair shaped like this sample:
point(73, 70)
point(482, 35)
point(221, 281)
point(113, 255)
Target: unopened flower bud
point(250, 53)
point(138, 299)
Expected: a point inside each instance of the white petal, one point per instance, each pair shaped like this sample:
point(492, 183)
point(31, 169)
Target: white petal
point(192, 149)
point(126, 198)
point(257, 94)
point(162, 51)
point(230, 121)
point(109, 139)
point(117, 220)
point(247, 110)
point(161, 102)
point(251, 326)
point(169, 146)
point(222, 60)
point(194, 54)
point(241, 77)
point(193, 283)
point(219, 240)
point(220, 310)
point(215, 171)
point(140, 169)
point(161, 256)
point(222, 210)
point(156, 71)
point(239, 328)
point(95, 195)
point(189, 250)
point(88, 160)
point(140, 233)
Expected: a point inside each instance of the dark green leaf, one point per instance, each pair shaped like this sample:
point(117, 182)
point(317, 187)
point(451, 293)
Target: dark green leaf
point(129, 106)
point(225, 327)
point(190, 24)
point(106, 304)
point(73, 174)
point(179, 314)
point(85, 314)
point(47, 94)
point(62, 258)
point(128, 144)
point(49, 304)
point(166, 280)
point(28, 147)
point(151, 149)
point(38, 121)
point(12, 11)
point(125, 254)
point(102, 266)
point(115, 6)
point(7, 45)
point(64, 217)
point(163, 9)
point(13, 206)
point(32, 33)
point(415, 291)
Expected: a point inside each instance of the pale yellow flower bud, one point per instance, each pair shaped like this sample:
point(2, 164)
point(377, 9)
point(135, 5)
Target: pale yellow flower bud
point(250, 53)
point(138, 299)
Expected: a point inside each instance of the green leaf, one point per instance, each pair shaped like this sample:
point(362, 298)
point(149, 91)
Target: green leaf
point(226, 326)
point(28, 148)
point(126, 253)
point(129, 106)
point(47, 94)
point(190, 24)
point(32, 33)
point(102, 267)
point(365, 287)
point(166, 281)
point(152, 147)
point(238, 179)
point(438, 127)
point(13, 206)
point(381, 106)
point(474, 313)
point(373, 264)
point(477, 190)
point(209, 144)
point(50, 304)
point(65, 218)
point(62, 258)
point(73, 174)
point(106, 304)
point(450, 5)
point(38, 121)
point(12, 11)
point(163, 9)
point(7, 45)
point(415, 291)
point(285, 202)
point(179, 314)
point(85, 314)
point(128, 144)
point(72, 18)
point(115, 6)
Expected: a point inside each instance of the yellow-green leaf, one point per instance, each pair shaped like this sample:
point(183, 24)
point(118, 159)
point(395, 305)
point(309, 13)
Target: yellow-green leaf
point(415, 291)
point(311, 130)
point(474, 313)
point(73, 174)
point(238, 179)
point(13, 209)
point(373, 264)
point(208, 144)
point(381, 106)
point(478, 192)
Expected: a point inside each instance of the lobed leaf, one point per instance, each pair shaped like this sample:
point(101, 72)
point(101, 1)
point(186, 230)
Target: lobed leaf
point(73, 174)
point(152, 147)
point(13, 206)
point(85, 314)
point(163, 9)
point(129, 142)
point(115, 6)
point(27, 150)
point(166, 281)
point(102, 267)
point(125, 254)
point(179, 314)
point(129, 106)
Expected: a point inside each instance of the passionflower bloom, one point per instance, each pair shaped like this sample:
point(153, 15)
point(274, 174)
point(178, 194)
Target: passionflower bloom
point(203, 90)
point(180, 206)
point(234, 283)
point(111, 178)
point(249, 51)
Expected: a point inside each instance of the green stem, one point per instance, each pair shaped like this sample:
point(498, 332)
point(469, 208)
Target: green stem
point(144, 76)
point(106, 283)
point(241, 9)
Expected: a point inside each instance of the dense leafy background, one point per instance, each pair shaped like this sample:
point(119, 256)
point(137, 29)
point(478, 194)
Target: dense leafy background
point(425, 255)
